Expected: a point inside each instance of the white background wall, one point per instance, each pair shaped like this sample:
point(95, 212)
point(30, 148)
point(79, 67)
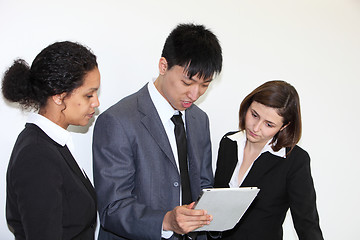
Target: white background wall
point(313, 44)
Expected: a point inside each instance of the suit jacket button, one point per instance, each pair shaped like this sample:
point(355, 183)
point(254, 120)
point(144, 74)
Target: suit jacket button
point(176, 184)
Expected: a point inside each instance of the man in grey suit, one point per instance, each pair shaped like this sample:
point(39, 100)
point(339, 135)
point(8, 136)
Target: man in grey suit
point(136, 163)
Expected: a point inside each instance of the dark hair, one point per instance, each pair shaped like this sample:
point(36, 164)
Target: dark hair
point(195, 48)
point(59, 68)
point(285, 99)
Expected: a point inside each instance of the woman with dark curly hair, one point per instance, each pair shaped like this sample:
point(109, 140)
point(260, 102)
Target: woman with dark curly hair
point(264, 154)
point(48, 195)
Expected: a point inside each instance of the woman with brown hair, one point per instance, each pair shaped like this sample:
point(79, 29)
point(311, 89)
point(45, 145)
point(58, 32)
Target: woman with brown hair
point(264, 154)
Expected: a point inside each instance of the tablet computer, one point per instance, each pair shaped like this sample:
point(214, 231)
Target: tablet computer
point(226, 205)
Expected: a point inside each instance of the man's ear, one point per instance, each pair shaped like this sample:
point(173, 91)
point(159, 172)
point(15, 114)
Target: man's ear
point(163, 65)
point(58, 98)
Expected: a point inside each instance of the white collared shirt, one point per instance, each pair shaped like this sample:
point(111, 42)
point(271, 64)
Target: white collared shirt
point(166, 111)
point(54, 131)
point(240, 138)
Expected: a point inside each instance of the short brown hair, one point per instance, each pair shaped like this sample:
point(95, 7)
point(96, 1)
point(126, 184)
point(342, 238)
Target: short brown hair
point(284, 98)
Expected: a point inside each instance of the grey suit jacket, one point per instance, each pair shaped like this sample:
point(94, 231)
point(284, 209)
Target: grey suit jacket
point(135, 174)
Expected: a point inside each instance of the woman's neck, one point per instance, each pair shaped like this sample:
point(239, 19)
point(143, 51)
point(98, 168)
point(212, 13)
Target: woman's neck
point(53, 114)
point(253, 148)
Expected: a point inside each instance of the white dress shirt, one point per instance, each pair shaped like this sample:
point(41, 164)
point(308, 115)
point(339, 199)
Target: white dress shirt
point(240, 138)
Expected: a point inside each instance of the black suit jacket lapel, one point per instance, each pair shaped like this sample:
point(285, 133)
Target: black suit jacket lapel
point(75, 168)
point(262, 165)
point(225, 168)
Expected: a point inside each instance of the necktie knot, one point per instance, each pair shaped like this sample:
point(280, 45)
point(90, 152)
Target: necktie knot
point(177, 119)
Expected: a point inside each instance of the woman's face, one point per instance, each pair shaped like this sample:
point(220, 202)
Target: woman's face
point(262, 123)
point(81, 103)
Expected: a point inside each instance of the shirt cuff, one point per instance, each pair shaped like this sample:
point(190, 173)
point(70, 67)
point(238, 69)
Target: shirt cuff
point(166, 234)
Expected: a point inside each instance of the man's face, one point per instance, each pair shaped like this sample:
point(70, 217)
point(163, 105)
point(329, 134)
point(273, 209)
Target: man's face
point(180, 90)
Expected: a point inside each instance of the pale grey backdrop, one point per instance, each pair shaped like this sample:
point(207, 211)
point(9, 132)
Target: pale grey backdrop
point(313, 44)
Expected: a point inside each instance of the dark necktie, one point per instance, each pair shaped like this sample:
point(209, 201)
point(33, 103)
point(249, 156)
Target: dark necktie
point(180, 136)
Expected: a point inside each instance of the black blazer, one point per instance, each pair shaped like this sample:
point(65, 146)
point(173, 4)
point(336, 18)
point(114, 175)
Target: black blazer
point(48, 197)
point(284, 183)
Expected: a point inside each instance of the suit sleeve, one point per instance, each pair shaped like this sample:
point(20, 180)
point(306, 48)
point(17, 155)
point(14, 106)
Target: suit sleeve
point(114, 180)
point(302, 198)
point(37, 183)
